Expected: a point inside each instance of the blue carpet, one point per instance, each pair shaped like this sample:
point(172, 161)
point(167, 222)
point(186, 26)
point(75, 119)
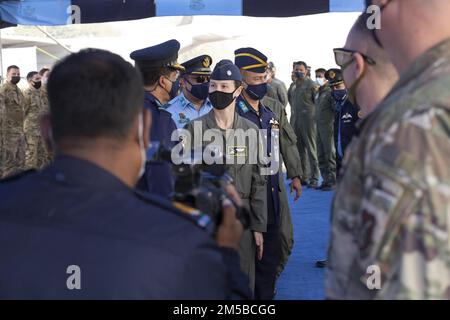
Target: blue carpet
point(301, 280)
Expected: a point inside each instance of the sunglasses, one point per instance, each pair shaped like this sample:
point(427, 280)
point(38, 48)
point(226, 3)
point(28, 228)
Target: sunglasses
point(199, 79)
point(344, 57)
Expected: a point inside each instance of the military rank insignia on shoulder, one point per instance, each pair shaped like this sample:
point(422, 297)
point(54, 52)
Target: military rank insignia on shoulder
point(243, 106)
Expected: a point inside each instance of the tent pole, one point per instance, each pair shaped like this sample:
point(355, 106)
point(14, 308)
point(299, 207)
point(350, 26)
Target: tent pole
point(53, 38)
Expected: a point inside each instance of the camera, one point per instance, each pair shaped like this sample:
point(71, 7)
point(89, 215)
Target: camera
point(200, 186)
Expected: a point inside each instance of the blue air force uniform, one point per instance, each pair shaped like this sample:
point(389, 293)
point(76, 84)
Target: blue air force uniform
point(347, 115)
point(158, 178)
point(77, 218)
point(183, 111)
point(252, 60)
point(264, 119)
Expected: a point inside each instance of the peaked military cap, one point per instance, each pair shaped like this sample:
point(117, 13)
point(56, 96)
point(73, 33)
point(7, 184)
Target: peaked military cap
point(199, 65)
point(162, 55)
point(334, 77)
point(250, 59)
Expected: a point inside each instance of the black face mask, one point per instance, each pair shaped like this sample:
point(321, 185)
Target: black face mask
point(15, 79)
point(174, 90)
point(220, 100)
point(37, 84)
point(257, 92)
point(200, 91)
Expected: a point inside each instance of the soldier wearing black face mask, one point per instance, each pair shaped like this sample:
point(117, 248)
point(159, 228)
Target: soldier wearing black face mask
point(193, 101)
point(36, 151)
point(347, 114)
point(225, 88)
point(269, 115)
point(12, 140)
point(303, 119)
point(160, 71)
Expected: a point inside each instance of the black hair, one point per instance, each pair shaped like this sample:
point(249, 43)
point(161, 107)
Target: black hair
point(94, 93)
point(150, 76)
point(31, 74)
point(12, 67)
point(300, 63)
point(322, 70)
point(43, 71)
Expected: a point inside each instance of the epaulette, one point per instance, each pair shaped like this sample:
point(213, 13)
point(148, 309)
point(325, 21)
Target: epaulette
point(195, 216)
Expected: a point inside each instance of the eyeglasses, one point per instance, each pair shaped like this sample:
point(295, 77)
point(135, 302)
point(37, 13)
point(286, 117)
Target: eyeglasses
point(344, 57)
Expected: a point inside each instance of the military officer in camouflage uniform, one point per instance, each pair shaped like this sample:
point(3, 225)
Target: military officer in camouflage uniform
point(391, 210)
point(35, 155)
point(13, 148)
point(303, 110)
point(225, 87)
point(45, 73)
point(253, 64)
point(325, 132)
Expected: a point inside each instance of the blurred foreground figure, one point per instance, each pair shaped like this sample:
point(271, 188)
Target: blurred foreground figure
point(390, 230)
point(78, 230)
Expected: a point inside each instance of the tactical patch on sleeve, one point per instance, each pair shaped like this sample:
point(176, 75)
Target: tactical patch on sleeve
point(242, 106)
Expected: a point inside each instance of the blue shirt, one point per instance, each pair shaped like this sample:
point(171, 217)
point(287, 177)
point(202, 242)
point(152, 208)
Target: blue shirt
point(184, 111)
point(346, 117)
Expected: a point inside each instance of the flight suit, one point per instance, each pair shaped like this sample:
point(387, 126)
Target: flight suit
point(304, 113)
point(325, 135)
point(249, 183)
